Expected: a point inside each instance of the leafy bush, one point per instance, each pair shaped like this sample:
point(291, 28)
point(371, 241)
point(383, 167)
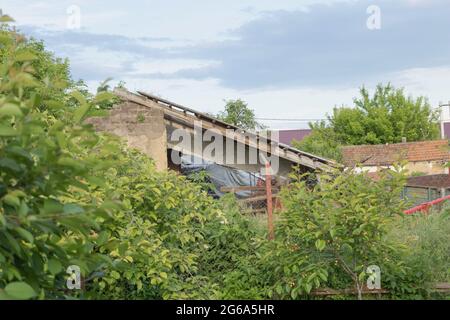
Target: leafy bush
point(156, 240)
point(60, 182)
point(233, 257)
point(330, 233)
point(42, 163)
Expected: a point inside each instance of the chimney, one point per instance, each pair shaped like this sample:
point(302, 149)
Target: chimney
point(403, 139)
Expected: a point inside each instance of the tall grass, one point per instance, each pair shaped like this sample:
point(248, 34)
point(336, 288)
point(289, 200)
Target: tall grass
point(426, 238)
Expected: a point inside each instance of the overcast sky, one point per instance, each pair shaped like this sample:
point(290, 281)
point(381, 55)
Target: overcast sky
point(288, 59)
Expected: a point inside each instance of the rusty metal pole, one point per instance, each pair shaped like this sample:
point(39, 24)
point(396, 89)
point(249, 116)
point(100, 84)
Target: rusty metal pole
point(269, 201)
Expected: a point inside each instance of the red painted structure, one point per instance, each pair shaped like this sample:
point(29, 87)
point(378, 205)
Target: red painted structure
point(269, 200)
point(424, 207)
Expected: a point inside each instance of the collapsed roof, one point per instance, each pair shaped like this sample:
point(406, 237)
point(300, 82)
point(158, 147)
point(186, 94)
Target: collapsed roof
point(186, 116)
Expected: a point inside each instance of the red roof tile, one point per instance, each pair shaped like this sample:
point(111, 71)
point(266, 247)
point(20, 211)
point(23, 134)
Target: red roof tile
point(377, 155)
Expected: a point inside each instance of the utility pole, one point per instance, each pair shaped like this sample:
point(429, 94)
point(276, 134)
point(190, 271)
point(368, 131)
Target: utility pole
point(441, 106)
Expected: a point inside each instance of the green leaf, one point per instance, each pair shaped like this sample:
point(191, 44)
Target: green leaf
point(81, 112)
point(52, 206)
point(279, 289)
point(54, 266)
point(308, 287)
point(4, 296)
point(79, 96)
point(25, 234)
point(104, 96)
point(10, 109)
point(25, 56)
point(346, 248)
point(102, 238)
point(13, 242)
point(20, 290)
point(7, 131)
point(6, 163)
point(361, 276)
point(332, 233)
point(70, 162)
point(72, 208)
point(115, 275)
point(294, 294)
point(12, 200)
point(320, 244)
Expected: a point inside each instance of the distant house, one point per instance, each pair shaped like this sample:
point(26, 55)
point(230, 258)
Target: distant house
point(426, 157)
point(422, 189)
point(287, 136)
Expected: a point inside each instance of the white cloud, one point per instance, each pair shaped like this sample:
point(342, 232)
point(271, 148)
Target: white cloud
point(169, 66)
point(191, 23)
point(305, 103)
point(198, 20)
point(431, 82)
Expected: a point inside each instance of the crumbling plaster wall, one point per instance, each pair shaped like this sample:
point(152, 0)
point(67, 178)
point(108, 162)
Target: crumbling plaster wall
point(143, 128)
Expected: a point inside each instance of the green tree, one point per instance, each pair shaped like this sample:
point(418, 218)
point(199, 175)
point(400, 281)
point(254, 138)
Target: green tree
point(322, 141)
point(388, 116)
point(329, 234)
point(239, 114)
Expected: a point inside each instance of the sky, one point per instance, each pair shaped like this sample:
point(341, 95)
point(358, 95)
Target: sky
point(288, 59)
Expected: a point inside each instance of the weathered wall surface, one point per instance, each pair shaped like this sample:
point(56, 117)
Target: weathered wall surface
point(428, 167)
point(143, 128)
point(425, 167)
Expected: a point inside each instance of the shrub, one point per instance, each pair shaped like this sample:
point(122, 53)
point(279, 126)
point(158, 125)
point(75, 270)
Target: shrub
point(232, 259)
point(43, 228)
point(156, 240)
point(331, 232)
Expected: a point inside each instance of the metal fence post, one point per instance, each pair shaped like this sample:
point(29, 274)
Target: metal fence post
point(269, 201)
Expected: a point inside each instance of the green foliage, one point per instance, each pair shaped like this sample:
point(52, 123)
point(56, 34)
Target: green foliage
point(427, 242)
point(60, 182)
point(386, 117)
point(155, 242)
point(44, 160)
point(322, 141)
point(239, 114)
point(232, 258)
point(336, 227)
point(108, 99)
point(203, 179)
